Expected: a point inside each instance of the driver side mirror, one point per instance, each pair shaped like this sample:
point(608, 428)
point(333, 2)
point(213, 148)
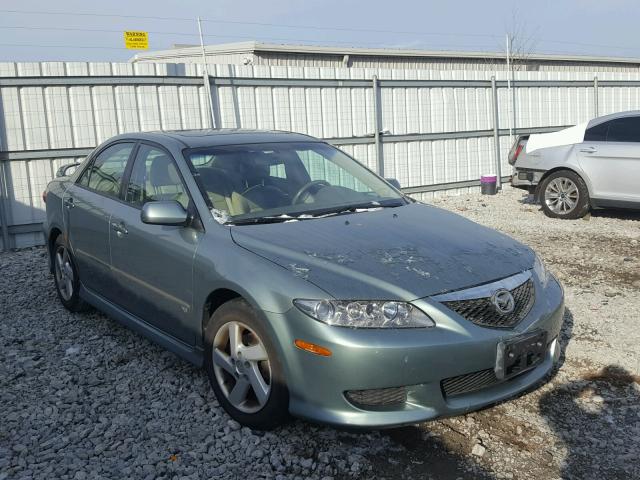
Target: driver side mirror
point(66, 170)
point(164, 213)
point(394, 182)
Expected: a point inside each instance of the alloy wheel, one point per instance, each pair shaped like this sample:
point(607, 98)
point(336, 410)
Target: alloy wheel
point(64, 273)
point(561, 195)
point(241, 366)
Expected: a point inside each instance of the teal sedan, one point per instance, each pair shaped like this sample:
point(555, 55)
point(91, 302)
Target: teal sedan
point(301, 281)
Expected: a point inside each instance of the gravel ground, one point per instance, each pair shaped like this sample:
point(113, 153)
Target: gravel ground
point(83, 397)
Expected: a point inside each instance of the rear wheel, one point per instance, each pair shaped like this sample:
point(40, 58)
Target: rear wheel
point(66, 277)
point(243, 367)
point(563, 194)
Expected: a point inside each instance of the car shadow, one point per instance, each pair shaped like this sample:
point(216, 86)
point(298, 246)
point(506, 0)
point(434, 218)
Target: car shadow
point(425, 455)
point(528, 199)
point(590, 414)
point(616, 213)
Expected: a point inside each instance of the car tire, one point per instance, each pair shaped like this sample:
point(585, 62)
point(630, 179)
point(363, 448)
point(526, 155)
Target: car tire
point(239, 374)
point(563, 194)
point(65, 276)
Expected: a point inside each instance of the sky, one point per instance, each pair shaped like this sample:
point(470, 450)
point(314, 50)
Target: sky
point(88, 30)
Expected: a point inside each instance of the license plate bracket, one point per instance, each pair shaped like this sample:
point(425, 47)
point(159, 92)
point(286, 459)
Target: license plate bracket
point(519, 354)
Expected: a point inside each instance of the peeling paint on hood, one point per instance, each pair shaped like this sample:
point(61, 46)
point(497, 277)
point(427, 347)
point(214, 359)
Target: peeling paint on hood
point(400, 253)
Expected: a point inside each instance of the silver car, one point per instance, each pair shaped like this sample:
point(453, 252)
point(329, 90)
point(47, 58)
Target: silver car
point(592, 165)
point(304, 283)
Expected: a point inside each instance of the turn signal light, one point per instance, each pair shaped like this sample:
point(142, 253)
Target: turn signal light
point(313, 348)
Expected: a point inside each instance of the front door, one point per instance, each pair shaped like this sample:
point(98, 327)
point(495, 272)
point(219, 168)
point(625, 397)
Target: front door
point(153, 264)
point(87, 208)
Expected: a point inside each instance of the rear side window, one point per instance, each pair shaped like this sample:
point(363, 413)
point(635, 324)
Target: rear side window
point(104, 174)
point(619, 130)
point(624, 130)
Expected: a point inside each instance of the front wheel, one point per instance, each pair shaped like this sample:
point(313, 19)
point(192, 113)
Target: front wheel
point(243, 367)
point(564, 194)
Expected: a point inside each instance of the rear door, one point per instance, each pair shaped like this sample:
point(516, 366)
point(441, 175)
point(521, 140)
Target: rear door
point(610, 156)
point(88, 205)
point(153, 264)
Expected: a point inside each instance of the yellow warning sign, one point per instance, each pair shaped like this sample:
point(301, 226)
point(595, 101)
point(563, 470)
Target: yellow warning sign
point(136, 40)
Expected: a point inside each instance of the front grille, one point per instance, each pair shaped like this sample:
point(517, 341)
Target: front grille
point(482, 312)
point(379, 397)
point(468, 383)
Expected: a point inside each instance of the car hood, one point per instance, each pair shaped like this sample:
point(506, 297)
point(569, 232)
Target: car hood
point(405, 253)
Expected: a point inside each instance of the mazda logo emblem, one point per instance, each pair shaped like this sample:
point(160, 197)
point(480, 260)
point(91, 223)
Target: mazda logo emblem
point(503, 301)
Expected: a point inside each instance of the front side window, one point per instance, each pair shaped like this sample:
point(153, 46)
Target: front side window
point(104, 174)
point(155, 177)
point(286, 179)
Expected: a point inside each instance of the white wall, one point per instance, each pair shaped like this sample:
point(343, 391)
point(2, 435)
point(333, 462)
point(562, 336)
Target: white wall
point(59, 117)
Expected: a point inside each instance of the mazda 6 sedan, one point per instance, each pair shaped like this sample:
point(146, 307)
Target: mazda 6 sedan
point(303, 283)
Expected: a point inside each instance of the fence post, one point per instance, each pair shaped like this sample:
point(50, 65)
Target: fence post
point(496, 133)
point(215, 103)
point(377, 123)
point(595, 96)
point(4, 222)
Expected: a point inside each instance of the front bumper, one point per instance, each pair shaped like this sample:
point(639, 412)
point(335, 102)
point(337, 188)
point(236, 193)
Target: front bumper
point(418, 359)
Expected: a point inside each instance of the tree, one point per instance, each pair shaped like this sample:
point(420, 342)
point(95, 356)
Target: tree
point(517, 49)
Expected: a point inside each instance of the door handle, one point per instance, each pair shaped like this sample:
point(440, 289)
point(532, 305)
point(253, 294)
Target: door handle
point(68, 202)
point(119, 228)
point(589, 150)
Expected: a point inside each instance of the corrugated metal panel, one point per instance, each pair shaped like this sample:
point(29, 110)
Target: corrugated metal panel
point(81, 116)
point(59, 117)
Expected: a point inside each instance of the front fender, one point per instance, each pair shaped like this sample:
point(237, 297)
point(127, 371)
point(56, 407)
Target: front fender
point(269, 288)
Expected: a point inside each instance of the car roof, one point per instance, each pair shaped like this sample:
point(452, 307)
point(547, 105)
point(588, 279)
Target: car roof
point(611, 116)
point(211, 137)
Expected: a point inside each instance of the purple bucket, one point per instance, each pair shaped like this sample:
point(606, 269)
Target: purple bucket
point(489, 184)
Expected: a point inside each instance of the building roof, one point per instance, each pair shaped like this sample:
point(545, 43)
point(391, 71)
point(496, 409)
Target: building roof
point(256, 47)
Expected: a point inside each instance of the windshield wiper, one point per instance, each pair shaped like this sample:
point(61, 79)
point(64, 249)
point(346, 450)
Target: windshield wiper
point(259, 220)
point(311, 214)
point(371, 205)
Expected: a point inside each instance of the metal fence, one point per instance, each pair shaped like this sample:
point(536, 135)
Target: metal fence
point(433, 131)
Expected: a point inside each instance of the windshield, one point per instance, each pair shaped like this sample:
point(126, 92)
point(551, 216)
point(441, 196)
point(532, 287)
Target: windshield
point(281, 180)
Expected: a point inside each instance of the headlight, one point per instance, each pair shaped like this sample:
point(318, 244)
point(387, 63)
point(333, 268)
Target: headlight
point(541, 271)
point(365, 313)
